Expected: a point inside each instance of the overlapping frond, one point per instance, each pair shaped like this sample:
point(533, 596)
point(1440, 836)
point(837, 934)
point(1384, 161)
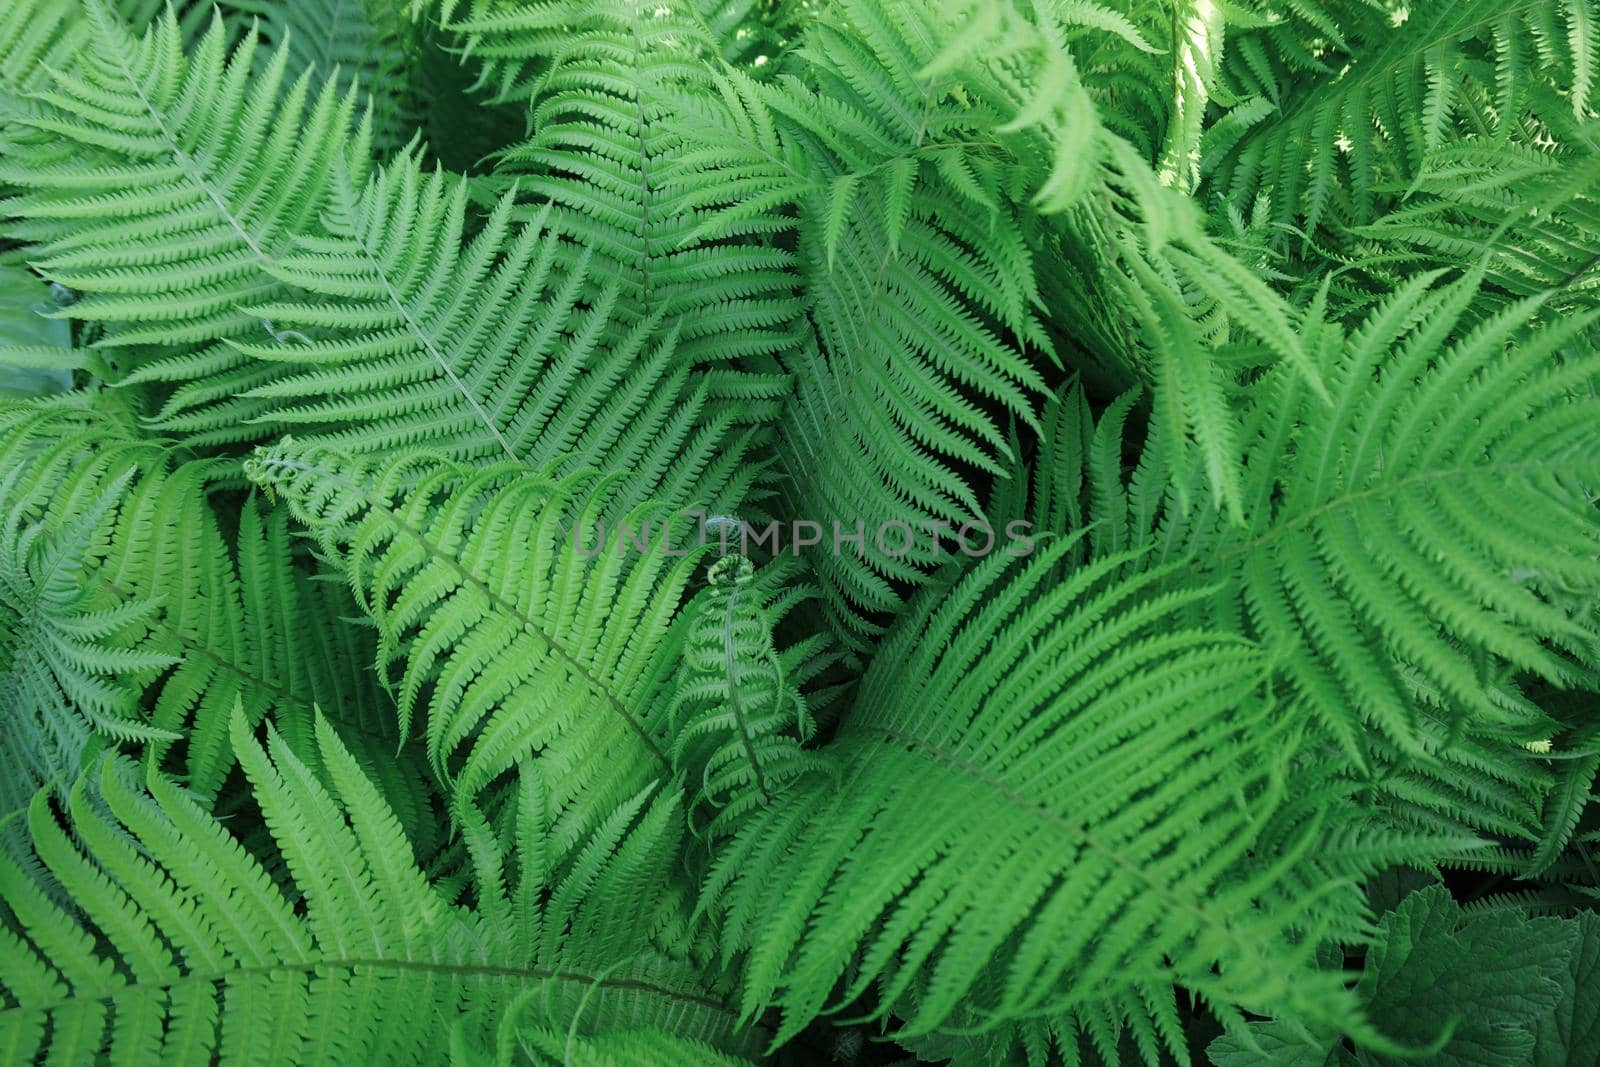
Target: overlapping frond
point(511, 617)
point(180, 176)
point(1416, 548)
point(369, 45)
point(225, 616)
point(1527, 217)
point(158, 186)
point(184, 946)
point(635, 195)
point(403, 331)
point(67, 670)
point(1392, 85)
point(1195, 321)
point(516, 44)
point(1470, 432)
point(1005, 840)
point(918, 274)
point(1132, 274)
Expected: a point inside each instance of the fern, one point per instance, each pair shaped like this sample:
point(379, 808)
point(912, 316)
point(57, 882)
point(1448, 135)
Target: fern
point(66, 678)
point(1407, 80)
point(988, 761)
point(515, 628)
point(203, 153)
point(1451, 446)
point(501, 510)
point(1380, 561)
point(154, 571)
point(411, 337)
point(368, 45)
point(1167, 295)
point(628, 190)
point(737, 713)
point(1524, 215)
point(180, 924)
point(920, 278)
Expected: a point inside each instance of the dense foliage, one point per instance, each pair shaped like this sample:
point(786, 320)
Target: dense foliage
point(787, 531)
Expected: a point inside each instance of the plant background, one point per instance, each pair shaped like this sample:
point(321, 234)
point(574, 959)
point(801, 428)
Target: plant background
point(323, 321)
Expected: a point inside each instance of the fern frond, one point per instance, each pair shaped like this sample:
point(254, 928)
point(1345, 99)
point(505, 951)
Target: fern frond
point(159, 185)
point(1400, 477)
point(630, 193)
point(1035, 774)
point(68, 669)
point(232, 622)
point(1033, 82)
point(367, 44)
point(1527, 217)
point(531, 1033)
point(509, 615)
point(40, 35)
point(179, 924)
point(919, 275)
point(516, 45)
point(1134, 275)
point(739, 720)
point(1391, 89)
point(404, 333)
point(1413, 548)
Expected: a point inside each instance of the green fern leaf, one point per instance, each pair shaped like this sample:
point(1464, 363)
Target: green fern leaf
point(1005, 841)
point(186, 948)
point(232, 622)
point(519, 623)
point(739, 719)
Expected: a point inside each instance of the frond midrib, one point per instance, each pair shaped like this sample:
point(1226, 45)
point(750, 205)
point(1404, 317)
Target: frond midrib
point(184, 161)
point(1310, 515)
point(735, 698)
point(464, 970)
point(427, 342)
point(279, 693)
point(1084, 834)
point(529, 624)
